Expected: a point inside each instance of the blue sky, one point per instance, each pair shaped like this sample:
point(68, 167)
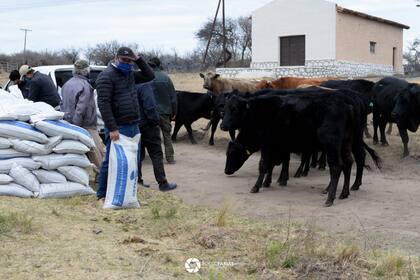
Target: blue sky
point(163, 24)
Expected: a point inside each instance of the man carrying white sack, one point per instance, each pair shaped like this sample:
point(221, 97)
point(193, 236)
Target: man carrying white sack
point(118, 103)
point(79, 106)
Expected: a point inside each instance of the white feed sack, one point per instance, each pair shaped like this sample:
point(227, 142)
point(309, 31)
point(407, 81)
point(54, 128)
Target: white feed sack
point(66, 130)
point(71, 147)
point(49, 176)
point(5, 179)
point(24, 177)
point(75, 174)
point(63, 190)
point(5, 143)
point(122, 174)
point(21, 130)
point(11, 153)
point(54, 161)
point(28, 163)
point(13, 189)
point(35, 148)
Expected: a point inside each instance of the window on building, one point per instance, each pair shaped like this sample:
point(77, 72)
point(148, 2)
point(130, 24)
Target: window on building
point(372, 47)
point(292, 50)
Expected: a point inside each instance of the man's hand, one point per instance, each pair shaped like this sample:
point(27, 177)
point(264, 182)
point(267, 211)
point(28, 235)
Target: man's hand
point(115, 135)
point(173, 117)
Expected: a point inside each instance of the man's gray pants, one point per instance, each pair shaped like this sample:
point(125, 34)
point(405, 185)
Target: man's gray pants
point(166, 127)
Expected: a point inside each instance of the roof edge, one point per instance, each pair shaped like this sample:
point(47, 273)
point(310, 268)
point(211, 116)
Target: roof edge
point(366, 16)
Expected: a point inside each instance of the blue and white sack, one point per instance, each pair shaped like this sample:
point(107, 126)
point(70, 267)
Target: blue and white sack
point(22, 131)
point(122, 174)
point(66, 130)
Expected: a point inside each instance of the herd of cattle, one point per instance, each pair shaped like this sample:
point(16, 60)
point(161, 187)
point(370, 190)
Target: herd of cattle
point(307, 117)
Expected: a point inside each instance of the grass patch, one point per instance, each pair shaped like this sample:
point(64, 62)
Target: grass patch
point(273, 251)
point(19, 222)
point(391, 265)
point(222, 215)
point(348, 252)
point(290, 261)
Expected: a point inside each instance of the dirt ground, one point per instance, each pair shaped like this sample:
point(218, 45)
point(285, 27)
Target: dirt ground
point(383, 214)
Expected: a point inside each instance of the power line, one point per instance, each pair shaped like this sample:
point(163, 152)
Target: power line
point(26, 30)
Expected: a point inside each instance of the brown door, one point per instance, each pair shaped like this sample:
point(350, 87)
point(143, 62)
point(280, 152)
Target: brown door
point(292, 50)
point(394, 53)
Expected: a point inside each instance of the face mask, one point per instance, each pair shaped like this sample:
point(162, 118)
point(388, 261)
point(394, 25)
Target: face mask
point(26, 79)
point(125, 67)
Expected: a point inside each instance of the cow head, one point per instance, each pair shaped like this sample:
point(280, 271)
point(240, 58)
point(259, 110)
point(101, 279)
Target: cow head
point(407, 107)
point(234, 113)
point(209, 79)
point(236, 155)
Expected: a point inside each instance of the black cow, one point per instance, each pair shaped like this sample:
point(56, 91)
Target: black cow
point(386, 92)
point(191, 107)
point(406, 112)
point(303, 122)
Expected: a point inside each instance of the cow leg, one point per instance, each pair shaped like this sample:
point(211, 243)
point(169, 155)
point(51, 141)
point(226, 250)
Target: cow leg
point(347, 164)
point(307, 165)
point(335, 166)
point(322, 161)
point(190, 133)
point(177, 127)
point(314, 161)
point(207, 126)
point(360, 157)
point(376, 117)
point(284, 175)
point(268, 177)
point(299, 171)
point(367, 134)
point(232, 134)
point(382, 125)
point(261, 173)
point(405, 139)
point(389, 131)
point(214, 122)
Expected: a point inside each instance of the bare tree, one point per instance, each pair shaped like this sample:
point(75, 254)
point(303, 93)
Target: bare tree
point(245, 37)
point(103, 53)
point(71, 54)
point(412, 55)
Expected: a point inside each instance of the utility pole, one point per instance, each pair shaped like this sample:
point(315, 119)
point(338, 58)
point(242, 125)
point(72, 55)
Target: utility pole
point(224, 34)
point(24, 44)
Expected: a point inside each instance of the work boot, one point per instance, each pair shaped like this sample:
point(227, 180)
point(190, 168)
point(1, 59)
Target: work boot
point(167, 187)
point(171, 161)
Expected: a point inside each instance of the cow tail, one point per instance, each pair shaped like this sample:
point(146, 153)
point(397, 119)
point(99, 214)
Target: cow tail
point(376, 158)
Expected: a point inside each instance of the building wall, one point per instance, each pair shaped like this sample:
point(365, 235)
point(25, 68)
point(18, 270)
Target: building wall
point(312, 69)
point(316, 19)
point(353, 41)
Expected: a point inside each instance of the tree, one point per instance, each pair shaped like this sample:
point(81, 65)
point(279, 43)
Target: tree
point(103, 53)
point(245, 37)
point(71, 54)
point(412, 55)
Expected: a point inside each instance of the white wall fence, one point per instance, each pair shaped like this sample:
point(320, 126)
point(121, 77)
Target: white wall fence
point(312, 69)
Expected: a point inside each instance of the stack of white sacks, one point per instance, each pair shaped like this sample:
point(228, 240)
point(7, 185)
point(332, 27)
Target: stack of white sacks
point(40, 154)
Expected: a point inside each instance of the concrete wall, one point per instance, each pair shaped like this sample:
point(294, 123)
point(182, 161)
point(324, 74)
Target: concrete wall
point(315, 19)
point(353, 41)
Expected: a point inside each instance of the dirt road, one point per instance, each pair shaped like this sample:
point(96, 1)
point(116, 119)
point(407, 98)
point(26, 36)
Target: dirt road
point(385, 213)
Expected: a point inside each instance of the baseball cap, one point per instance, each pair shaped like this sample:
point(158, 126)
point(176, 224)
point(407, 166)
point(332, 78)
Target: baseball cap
point(24, 69)
point(81, 64)
point(126, 53)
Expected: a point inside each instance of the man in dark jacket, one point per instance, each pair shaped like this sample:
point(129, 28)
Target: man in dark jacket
point(150, 136)
point(165, 96)
point(118, 102)
point(42, 87)
point(23, 85)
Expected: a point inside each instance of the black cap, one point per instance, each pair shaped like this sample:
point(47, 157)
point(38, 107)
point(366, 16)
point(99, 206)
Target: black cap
point(14, 75)
point(126, 53)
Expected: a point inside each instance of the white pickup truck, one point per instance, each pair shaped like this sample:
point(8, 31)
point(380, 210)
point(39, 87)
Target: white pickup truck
point(60, 74)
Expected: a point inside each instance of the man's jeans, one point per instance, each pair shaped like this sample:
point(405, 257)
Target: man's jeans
point(129, 130)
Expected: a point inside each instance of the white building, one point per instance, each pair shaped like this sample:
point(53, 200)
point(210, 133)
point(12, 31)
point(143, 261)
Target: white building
point(317, 38)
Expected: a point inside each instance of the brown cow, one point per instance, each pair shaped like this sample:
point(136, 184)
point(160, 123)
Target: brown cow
point(291, 83)
point(216, 84)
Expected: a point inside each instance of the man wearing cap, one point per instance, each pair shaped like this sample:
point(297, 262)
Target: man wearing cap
point(79, 107)
point(166, 100)
point(16, 86)
point(118, 103)
point(41, 88)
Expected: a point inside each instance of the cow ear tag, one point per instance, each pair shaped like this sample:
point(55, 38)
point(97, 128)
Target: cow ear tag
point(247, 105)
point(248, 152)
point(371, 104)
